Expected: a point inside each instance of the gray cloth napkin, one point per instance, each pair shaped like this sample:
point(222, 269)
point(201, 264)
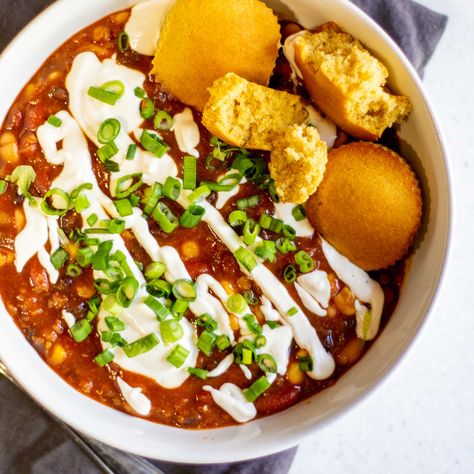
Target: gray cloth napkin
point(33, 442)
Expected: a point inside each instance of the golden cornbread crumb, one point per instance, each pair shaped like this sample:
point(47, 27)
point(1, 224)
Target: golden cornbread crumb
point(201, 40)
point(245, 114)
point(347, 82)
point(297, 163)
point(368, 206)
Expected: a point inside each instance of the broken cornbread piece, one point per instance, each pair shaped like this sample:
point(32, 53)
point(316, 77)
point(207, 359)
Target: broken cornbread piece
point(346, 82)
point(368, 206)
point(245, 114)
point(297, 163)
point(201, 40)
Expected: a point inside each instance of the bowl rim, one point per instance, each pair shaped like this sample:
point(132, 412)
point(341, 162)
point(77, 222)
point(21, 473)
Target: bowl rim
point(287, 442)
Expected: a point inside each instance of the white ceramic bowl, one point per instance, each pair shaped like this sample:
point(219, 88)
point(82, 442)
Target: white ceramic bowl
point(422, 145)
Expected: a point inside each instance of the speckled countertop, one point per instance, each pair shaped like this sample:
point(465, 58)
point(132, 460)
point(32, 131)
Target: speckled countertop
point(421, 419)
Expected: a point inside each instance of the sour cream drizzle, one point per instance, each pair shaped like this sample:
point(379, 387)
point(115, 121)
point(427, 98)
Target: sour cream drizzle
point(144, 25)
point(284, 211)
point(186, 132)
point(362, 286)
point(314, 289)
point(134, 397)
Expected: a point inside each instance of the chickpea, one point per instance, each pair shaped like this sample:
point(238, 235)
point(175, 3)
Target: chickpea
point(9, 148)
point(58, 355)
point(190, 249)
point(351, 352)
point(294, 374)
point(344, 301)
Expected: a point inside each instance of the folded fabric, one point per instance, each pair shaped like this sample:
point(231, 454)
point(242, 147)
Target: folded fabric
point(30, 441)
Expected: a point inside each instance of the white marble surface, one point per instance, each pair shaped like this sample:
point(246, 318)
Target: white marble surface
point(421, 420)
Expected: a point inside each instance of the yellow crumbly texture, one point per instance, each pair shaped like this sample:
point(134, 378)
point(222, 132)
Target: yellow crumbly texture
point(249, 115)
point(201, 40)
point(297, 163)
point(348, 83)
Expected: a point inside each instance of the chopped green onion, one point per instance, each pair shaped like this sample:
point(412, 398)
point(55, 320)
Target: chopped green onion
point(116, 87)
point(111, 305)
point(111, 166)
point(152, 195)
point(109, 93)
point(154, 144)
point(81, 330)
point(107, 151)
point(252, 324)
point(192, 216)
point(23, 176)
point(292, 311)
point(245, 258)
point(159, 309)
point(171, 331)
point(250, 298)
point(147, 108)
point(305, 364)
point(257, 389)
point(101, 257)
point(250, 232)
point(247, 357)
point(179, 308)
point(189, 172)
point(305, 261)
point(299, 213)
point(172, 188)
point(105, 287)
point(226, 183)
point(205, 320)
point(131, 152)
point(139, 92)
point(83, 187)
point(73, 270)
point(199, 373)
point(108, 131)
point(261, 340)
point(84, 256)
point(241, 351)
point(3, 186)
point(165, 218)
point(237, 218)
point(163, 120)
point(222, 342)
point(272, 324)
point(236, 303)
point(141, 346)
point(56, 194)
point(81, 203)
point(199, 194)
point(124, 208)
point(104, 358)
point(155, 270)
point(126, 291)
point(289, 232)
point(92, 219)
point(285, 245)
point(177, 356)
point(54, 121)
point(123, 42)
point(249, 202)
point(59, 258)
point(270, 223)
point(124, 185)
point(266, 250)
point(206, 342)
point(267, 363)
point(114, 324)
point(114, 226)
point(289, 274)
point(113, 338)
point(185, 290)
point(134, 200)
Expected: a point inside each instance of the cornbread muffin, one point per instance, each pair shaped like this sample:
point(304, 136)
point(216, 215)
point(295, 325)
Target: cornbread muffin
point(201, 40)
point(245, 114)
point(368, 206)
point(297, 163)
point(347, 82)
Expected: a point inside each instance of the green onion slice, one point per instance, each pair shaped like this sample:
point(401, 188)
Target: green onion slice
point(114, 324)
point(236, 303)
point(305, 261)
point(54, 121)
point(261, 340)
point(131, 152)
point(107, 151)
point(267, 363)
point(165, 217)
point(185, 290)
point(3, 186)
point(152, 195)
point(108, 131)
point(252, 324)
point(59, 258)
point(237, 218)
point(250, 232)
point(267, 250)
point(163, 120)
point(249, 202)
point(23, 176)
point(245, 259)
point(126, 291)
point(158, 308)
point(139, 92)
point(222, 342)
point(189, 172)
point(226, 183)
point(61, 198)
point(199, 373)
point(123, 42)
point(206, 342)
point(171, 331)
point(192, 216)
point(147, 108)
point(289, 274)
point(124, 208)
point(155, 270)
point(199, 194)
point(141, 346)
point(299, 213)
point(250, 298)
point(128, 184)
point(81, 330)
point(178, 356)
point(73, 270)
point(154, 144)
point(172, 188)
point(305, 364)
point(104, 358)
point(257, 389)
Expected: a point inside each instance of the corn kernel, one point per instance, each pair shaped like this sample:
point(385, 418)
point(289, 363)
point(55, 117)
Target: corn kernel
point(9, 148)
point(190, 249)
point(351, 352)
point(85, 291)
point(234, 322)
point(30, 90)
point(3, 259)
point(10, 257)
point(71, 249)
point(228, 287)
point(19, 219)
point(58, 355)
point(294, 374)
